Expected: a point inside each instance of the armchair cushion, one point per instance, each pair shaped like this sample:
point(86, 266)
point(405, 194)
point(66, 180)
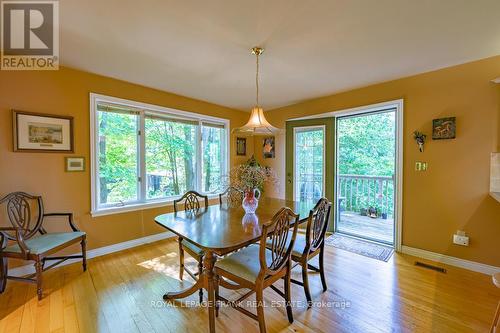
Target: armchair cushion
point(244, 264)
point(44, 243)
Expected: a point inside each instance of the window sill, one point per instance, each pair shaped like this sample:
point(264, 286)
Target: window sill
point(139, 206)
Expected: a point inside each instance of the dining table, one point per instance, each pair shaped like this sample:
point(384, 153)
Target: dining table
point(219, 230)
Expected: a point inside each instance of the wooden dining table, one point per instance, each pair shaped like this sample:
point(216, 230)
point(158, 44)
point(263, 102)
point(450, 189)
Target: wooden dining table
point(219, 230)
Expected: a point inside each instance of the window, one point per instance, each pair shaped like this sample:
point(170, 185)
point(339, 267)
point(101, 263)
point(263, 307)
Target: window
point(145, 155)
point(170, 157)
point(213, 161)
point(309, 163)
point(117, 155)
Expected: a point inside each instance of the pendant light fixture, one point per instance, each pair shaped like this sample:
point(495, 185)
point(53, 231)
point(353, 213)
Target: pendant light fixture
point(257, 124)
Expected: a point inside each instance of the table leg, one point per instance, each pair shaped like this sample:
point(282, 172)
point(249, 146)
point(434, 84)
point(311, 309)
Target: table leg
point(208, 263)
point(205, 280)
point(185, 293)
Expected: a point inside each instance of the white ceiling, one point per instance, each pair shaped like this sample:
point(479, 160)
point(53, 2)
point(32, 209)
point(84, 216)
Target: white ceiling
point(313, 48)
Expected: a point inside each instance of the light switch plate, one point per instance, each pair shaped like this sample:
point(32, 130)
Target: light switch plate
point(420, 166)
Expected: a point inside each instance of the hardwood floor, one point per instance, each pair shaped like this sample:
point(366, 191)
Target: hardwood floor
point(123, 292)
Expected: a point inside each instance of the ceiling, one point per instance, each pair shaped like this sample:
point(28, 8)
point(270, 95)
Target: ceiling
point(201, 49)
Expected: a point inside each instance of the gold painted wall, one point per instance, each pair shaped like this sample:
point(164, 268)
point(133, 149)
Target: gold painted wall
point(66, 92)
point(453, 193)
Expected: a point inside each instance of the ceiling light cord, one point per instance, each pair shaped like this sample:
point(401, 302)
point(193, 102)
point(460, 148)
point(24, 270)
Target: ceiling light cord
point(257, 80)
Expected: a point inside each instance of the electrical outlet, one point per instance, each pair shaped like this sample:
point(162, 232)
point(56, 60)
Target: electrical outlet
point(461, 240)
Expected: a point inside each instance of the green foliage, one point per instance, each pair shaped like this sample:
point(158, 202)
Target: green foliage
point(117, 157)
point(212, 173)
point(367, 145)
point(170, 153)
point(170, 156)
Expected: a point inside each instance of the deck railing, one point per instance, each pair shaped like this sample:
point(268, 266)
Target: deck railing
point(357, 192)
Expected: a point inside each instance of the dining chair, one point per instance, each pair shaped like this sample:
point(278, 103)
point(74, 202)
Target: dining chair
point(191, 203)
point(257, 267)
point(232, 194)
point(312, 243)
point(28, 239)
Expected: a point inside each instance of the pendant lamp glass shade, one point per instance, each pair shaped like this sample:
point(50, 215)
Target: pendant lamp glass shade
point(257, 124)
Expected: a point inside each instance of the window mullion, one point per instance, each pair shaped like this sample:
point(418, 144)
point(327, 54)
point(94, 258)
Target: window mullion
point(199, 158)
point(142, 157)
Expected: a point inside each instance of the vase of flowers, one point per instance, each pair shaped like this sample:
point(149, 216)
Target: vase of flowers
point(249, 178)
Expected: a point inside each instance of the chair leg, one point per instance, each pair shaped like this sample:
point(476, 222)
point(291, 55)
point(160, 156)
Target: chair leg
point(200, 270)
point(287, 295)
point(39, 270)
point(305, 281)
point(84, 254)
point(322, 268)
point(181, 260)
point(216, 281)
point(3, 273)
point(259, 295)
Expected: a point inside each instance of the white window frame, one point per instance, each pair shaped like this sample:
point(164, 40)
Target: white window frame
point(142, 202)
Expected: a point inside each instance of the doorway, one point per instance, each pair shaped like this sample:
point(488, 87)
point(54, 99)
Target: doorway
point(366, 167)
point(310, 160)
point(369, 190)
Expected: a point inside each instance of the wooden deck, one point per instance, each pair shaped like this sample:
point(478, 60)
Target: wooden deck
point(367, 227)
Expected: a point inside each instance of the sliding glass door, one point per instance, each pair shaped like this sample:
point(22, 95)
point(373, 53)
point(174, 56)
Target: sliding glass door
point(353, 158)
point(365, 179)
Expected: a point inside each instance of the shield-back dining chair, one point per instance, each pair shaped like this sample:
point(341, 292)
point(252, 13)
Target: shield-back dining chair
point(311, 244)
point(257, 267)
point(233, 196)
point(191, 201)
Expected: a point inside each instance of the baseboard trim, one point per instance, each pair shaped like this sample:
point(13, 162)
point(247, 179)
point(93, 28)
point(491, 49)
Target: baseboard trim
point(452, 261)
point(29, 269)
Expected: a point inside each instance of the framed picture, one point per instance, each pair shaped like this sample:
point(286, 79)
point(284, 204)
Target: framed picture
point(35, 132)
point(241, 146)
point(74, 164)
point(268, 147)
point(444, 128)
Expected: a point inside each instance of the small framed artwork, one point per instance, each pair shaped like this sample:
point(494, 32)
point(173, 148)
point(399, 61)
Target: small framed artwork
point(241, 146)
point(74, 164)
point(444, 128)
point(36, 132)
point(268, 147)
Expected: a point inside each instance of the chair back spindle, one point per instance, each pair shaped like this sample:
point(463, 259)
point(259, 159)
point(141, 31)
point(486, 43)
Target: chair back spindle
point(191, 201)
point(317, 224)
point(20, 207)
point(279, 241)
